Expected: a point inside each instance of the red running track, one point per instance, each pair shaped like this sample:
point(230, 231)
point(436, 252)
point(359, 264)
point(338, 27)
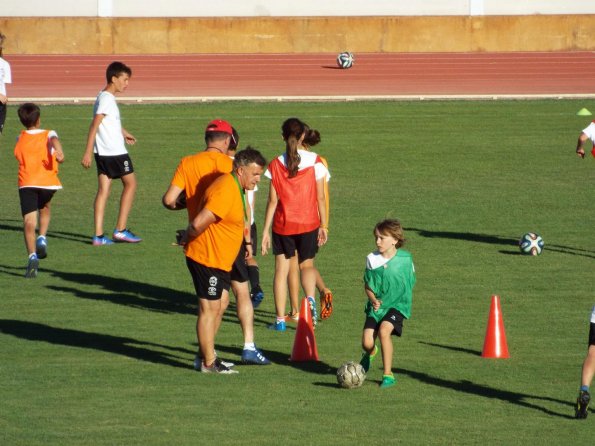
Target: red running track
point(65, 78)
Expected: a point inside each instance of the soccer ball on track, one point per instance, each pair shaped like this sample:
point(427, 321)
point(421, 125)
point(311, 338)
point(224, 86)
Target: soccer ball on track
point(351, 375)
point(345, 60)
point(531, 244)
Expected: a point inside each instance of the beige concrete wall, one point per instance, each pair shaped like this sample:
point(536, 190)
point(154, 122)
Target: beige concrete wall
point(67, 35)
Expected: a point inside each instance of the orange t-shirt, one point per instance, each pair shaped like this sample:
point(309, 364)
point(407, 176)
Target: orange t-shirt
point(219, 245)
point(37, 161)
point(196, 173)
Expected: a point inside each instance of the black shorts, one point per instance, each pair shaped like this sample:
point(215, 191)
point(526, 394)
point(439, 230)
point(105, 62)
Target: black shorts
point(592, 334)
point(114, 166)
point(305, 244)
point(209, 283)
point(239, 270)
point(34, 198)
point(393, 316)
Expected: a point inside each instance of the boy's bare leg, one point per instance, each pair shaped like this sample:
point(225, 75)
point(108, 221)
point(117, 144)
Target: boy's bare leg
point(44, 219)
point(126, 200)
point(103, 191)
point(29, 225)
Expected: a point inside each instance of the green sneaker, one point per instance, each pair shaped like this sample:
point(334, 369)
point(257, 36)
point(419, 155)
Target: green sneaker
point(387, 381)
point(367, 359)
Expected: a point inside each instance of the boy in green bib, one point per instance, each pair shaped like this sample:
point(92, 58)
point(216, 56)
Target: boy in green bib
point(389, 279)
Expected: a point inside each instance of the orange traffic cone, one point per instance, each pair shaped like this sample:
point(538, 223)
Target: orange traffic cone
point(304, 345)
point(495, 345)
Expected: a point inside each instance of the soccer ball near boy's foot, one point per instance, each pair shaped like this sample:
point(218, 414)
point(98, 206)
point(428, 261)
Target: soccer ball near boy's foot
point(351, 375)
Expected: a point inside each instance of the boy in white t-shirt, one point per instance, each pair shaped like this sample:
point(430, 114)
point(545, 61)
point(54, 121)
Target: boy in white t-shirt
point(5, 78)
point(106, 140)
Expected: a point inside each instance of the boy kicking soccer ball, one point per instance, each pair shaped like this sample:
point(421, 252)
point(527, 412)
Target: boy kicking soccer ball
point(389, 279)
point(38, 152)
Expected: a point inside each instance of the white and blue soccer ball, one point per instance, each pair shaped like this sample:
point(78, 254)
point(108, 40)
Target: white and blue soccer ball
point(351, 375)
point(345, 60)
point(531, 244)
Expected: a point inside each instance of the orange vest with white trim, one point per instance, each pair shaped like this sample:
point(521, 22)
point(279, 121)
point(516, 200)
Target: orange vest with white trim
point(37, 164)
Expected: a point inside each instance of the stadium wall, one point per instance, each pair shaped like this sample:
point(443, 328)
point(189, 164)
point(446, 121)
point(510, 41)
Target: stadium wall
point(93, 35)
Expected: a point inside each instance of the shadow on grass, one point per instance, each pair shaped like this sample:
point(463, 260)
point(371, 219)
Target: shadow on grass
point(282, 359)
point(520, 399)
point(128, 347)
point(127, 292)
point(453, 348)
point(73, 237)
point(499, 240)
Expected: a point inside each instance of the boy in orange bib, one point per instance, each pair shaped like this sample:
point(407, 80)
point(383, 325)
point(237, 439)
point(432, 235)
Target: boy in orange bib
point(38, 152)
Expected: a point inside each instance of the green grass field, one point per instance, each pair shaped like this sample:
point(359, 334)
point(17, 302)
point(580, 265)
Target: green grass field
point(98, 349)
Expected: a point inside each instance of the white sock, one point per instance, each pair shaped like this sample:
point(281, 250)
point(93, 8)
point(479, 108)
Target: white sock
point(249, 346)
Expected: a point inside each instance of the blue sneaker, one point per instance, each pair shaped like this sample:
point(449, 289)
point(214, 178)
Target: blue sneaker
point(99, 240)
point(32, 266)
point(125, 236)
point(312, 304)
point(254, 357)
point(278, 326)
point(257, 297)
point(41, 247)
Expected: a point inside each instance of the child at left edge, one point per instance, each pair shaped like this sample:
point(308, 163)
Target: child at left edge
point(38, 152)
point(389, 279)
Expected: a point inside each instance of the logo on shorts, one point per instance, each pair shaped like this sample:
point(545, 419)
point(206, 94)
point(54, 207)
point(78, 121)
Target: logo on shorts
point(393, 317)
point(212, 290)
point(126, 166)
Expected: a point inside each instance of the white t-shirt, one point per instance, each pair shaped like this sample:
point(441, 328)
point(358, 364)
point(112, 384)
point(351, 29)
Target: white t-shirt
point(307, 159)
point(5, 76)
point(250, 198)
point(590, 132)
point(109, 140)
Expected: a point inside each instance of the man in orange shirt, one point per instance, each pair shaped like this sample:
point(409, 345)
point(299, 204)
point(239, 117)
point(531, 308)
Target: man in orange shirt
point(216, 212)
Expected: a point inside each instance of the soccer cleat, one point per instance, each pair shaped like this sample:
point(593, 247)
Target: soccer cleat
point(32, 266)
point(198, 362)
point(387, 381)
point(256, 297)
point(278, 326)
point(99, 240)
point(326, 304)
point(582, 405)
point(41, 247)
point(217, 367)
point(367, 359)
point(125, 236)
point(254, 357)
point(292, 316)
point(312, 304)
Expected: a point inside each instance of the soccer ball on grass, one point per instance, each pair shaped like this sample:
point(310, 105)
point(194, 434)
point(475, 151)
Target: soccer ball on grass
point(351, 375)
point(531, 244)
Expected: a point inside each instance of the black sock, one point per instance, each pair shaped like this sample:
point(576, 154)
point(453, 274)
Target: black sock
point(254, 276)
